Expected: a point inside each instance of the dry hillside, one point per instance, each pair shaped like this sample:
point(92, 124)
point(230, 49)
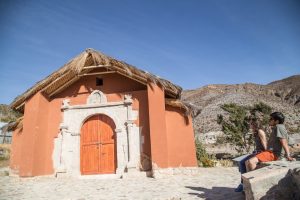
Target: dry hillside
point(282, 95)
point(7, 114)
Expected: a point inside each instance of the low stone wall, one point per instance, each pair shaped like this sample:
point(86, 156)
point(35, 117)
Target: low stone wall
point(277, 180)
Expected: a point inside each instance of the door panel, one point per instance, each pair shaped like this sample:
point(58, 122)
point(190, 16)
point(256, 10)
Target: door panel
point(107, 158)
point(98, 146)
point(90, 159)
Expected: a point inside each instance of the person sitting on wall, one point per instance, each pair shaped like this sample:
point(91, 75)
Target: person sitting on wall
point(277, 144)
point(260, 145)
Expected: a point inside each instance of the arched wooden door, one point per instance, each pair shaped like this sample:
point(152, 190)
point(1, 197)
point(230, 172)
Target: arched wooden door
point(97, 146)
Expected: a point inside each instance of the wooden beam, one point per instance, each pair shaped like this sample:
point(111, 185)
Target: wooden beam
point(96, 67)
point(97, 73)
point(64, 86)
point(131, 77)
point(52, 83)
point(22, 104)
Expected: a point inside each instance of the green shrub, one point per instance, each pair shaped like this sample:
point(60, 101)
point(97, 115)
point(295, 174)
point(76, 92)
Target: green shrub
point(236, 126)
point(204, 160)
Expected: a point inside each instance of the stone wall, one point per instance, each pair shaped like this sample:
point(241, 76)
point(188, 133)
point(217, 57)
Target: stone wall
point(278, 180)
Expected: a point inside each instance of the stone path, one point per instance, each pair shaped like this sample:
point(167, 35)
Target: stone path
point(211, 183)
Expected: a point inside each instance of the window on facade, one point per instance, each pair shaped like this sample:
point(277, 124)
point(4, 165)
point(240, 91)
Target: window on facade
point(99, 81)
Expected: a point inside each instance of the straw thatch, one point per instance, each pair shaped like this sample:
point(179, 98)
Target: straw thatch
point(85, 62)
point(187, 108)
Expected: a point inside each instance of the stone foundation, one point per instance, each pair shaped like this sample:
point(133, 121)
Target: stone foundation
point(167, 172)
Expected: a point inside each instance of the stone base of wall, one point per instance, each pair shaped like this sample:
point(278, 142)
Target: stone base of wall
point(137, 174)
point(278, 180)
point(13, 172)
point(165, 172)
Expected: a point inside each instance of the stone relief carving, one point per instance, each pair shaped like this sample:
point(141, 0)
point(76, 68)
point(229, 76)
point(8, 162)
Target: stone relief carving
point(127, 98)
point(65, 104)
point(97, 97)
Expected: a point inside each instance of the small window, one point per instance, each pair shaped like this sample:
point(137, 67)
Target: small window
point(99, 81)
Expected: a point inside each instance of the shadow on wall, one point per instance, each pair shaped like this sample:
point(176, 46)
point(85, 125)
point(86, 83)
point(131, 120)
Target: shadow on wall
point(216, 193)
point(287, 188)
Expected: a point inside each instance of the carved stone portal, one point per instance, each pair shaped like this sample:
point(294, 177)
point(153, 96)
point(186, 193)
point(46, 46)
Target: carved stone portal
point(66, 153)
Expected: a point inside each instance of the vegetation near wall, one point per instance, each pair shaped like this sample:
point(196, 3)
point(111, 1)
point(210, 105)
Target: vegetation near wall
point(204, 160)
point(4, 155)
point(236, 127)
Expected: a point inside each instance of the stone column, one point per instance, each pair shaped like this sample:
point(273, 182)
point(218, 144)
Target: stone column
point(134, 146)
point(122, 150)
point(74, 153)
point(133, 136)
point(62, 166)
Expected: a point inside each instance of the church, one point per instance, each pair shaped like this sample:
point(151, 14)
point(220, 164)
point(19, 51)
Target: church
point(97, 115)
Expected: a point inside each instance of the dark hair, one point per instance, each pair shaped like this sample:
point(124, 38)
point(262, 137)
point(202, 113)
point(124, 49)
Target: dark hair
point(257, 123)
point(278, 116)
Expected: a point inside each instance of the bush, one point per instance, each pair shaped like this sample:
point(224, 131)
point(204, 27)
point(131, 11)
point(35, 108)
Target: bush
point(4, 152)
point(204, 160)
point(236, 126)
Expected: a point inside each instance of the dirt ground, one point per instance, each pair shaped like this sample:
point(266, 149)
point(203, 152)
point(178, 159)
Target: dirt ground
point(215, 183)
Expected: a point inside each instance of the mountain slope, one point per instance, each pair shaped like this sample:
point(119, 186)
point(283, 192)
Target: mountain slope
point(282, 95)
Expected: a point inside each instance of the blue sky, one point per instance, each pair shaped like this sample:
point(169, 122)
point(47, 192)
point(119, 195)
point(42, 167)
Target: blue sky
point(191, 43)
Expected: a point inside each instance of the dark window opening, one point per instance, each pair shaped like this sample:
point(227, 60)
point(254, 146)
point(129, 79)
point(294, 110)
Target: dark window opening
point(99, 81)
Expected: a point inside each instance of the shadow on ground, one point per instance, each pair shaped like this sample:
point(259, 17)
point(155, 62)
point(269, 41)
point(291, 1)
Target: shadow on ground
point(216, 193)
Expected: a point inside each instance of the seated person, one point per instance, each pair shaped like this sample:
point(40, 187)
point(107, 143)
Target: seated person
point(277, 144)
point(260, 145)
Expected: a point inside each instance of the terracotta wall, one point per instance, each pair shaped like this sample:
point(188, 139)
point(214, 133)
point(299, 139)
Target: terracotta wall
point(180, 134)
point(15, 155)
point(29, 145)
point(157, 126)
point(42, 117)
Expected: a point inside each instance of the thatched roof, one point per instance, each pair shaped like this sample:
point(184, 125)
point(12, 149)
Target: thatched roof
point(85, 62)
point(186, 107)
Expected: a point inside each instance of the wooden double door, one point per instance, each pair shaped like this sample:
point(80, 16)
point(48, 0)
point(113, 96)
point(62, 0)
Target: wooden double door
point(97, 146)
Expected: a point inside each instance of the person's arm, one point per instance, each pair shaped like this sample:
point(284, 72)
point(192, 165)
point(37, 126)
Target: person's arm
point(285, 146)
point(263, 138)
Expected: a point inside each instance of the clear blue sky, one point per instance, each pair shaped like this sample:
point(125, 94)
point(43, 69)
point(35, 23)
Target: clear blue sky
point(191, 43)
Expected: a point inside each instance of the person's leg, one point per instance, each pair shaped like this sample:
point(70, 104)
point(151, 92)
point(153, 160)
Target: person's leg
point(252, 163)
point(242, 169)
point(242, 163)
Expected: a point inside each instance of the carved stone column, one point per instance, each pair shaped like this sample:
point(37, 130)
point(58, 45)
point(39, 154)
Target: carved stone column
point(61, 168)
point(133, 136)
point(122, 150)
point(134, 146)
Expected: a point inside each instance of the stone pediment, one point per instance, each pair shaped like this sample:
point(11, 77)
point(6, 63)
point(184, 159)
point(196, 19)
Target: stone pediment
point(96, 97)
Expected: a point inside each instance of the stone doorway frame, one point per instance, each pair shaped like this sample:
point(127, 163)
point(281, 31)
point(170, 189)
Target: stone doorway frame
point(66, 154)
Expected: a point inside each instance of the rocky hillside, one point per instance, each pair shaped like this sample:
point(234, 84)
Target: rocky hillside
point(7, 114)
point(282, 95)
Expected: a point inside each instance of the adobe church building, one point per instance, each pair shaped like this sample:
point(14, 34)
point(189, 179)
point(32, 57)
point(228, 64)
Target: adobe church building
point(97, 115)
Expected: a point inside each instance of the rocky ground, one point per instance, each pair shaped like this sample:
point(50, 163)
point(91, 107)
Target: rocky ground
point(211, 183)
